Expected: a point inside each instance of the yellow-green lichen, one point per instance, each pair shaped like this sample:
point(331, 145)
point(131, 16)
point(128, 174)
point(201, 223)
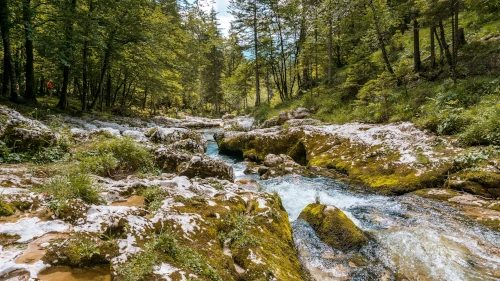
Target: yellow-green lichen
point(333, 227)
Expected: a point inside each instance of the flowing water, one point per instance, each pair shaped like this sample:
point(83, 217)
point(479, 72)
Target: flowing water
point(412, 238)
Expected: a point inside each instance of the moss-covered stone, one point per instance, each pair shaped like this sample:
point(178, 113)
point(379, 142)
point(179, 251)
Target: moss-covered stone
point(373, 165)
point(7, 239)
point(333, 227)
point(6, 209)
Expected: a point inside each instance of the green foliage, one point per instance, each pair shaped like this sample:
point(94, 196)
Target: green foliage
point(153, 197)
point(74, 185)
point(112, 156)
point(484, 130)
point(140, 266)
point(103, 165)
point(5, 208)
point(236, 227)
point(81, 250)
point(167, 243)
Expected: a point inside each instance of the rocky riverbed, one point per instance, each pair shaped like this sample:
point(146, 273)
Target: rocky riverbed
point(126, 199)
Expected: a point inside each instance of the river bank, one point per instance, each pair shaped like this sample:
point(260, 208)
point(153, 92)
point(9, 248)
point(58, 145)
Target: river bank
point(180, 208)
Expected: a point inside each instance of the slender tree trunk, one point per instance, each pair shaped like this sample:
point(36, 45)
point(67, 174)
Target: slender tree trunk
point(441, 48)
point(108, 90)
point(6, 76)
point(29, 94)
point(447, 53)
point(269, 87)
point(256, 52)
point(330, 50)
point(63, 102)
point(433, 46)
point(417, 64)
point(105, 66)
point(84, 76)
point(381, 39)
point(11, 72)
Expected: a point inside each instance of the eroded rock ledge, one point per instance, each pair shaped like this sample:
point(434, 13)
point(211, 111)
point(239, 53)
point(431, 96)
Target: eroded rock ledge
point(391, 159)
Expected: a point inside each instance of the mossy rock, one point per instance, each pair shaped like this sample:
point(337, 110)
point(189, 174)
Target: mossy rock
point(467, 186)
point(6, 209)
point(440, 194)
point(333, 227)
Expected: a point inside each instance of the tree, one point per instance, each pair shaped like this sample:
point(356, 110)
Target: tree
point(10, 83)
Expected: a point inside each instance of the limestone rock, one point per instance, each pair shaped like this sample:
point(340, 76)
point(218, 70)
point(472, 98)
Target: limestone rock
point(333, 227)
point(206, 167)
point(18, 131)
point(185, 139)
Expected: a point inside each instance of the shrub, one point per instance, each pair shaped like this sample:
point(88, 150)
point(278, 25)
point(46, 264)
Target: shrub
point(140, 266)
point(103, 165)
point(485, 129)
point(130, 157)
point(81, 250)
point(153, 197)
point(236, 228)
point(75, 185)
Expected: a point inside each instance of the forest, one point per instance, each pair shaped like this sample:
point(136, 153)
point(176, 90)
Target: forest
point(231, 140)
point(373, 58)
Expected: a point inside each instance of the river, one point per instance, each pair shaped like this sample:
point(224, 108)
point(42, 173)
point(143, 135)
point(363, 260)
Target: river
point(411, 238)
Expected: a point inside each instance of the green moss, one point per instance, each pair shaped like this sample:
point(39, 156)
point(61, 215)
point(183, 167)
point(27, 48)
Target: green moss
point(7, 239)
point(333, 227)
point(6, 209)
point(116, 156)
point(140, 266)
point(153, 197)
point(81, 250)
point(436, 193)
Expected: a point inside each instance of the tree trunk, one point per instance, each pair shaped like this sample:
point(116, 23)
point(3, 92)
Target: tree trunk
point(381, 39)
point(256, 52)
point(433, 47)
point(84, 76)
point(5, 26)
point(447, 53)
point(29, 93)
point(6, 77)
point(417, 64)
point(63, 102)
point(330, 50)
point(108, 90)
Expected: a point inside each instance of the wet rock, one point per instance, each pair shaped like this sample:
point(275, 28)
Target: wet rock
point(243, 124)
point(170, 159)
point(182, 138)
point(18, 131)
point(228, 116)
point(108, 131)
point(333, 227)
point(271, 122)
point(135, 135)
point(206, 167)
point(272, 160)
point(301, 113)
point(188, 122)
point(190, 165)
point(401, 158)
point(303, 122)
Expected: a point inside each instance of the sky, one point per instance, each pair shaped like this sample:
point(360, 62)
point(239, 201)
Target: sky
point(223, 14)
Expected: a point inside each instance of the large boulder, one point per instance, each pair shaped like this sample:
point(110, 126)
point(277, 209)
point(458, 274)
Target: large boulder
point(180, 138)
point(169, 159)
point(206, 167)
point(18, 131)
point(390, 159)
point(192, 165)
point(333, 227)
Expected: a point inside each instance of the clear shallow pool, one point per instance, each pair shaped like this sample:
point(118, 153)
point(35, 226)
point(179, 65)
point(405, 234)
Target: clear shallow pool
point(415, 238)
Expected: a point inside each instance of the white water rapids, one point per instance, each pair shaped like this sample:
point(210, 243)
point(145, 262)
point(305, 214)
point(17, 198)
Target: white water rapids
point(412, 238)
